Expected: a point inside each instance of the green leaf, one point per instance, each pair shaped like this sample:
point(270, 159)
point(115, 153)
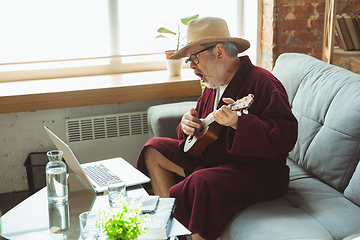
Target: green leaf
point(124, 222)
point(161, 36)
point(165, 30)
point(186, 20)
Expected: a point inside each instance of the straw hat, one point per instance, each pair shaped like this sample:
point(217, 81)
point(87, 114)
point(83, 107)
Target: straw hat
point(206, 30)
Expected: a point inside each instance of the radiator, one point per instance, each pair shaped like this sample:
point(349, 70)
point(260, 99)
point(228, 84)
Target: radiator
point(102, 137)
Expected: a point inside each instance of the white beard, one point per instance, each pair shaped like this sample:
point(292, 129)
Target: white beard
point(216, 74)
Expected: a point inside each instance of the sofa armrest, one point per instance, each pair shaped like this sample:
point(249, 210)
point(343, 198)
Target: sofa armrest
point(163, 119)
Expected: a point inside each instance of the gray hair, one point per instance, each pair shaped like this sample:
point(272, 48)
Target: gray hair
point(229, 47)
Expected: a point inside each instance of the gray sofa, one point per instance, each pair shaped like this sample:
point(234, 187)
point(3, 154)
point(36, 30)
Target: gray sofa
point(323, 198)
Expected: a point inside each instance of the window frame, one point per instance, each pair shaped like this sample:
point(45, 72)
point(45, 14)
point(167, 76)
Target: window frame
point(114, 66)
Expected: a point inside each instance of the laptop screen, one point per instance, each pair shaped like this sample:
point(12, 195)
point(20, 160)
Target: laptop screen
point(69, 156)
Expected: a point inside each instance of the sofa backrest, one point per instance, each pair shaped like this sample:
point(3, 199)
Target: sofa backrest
point(326, 101)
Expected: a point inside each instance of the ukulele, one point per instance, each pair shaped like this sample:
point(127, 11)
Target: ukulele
point(210, 130)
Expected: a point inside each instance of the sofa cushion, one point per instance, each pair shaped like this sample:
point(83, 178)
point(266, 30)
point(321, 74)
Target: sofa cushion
point(352, 191)
point(325, 100)
point(303, 191)
point(338, 215)
point(271, 220)
point(163, 119)
point(297, 172)
point(309, 210)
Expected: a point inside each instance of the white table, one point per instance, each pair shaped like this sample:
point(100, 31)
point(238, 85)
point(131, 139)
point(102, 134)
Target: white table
point(30, 219)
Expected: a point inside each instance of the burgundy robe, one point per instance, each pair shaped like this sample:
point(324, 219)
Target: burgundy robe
point(242, 167)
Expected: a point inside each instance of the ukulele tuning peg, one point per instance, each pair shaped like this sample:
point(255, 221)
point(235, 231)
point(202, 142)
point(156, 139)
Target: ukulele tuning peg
point(239, 113)
point(246, 111)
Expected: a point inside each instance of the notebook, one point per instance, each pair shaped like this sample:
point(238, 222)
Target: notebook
point(160, 222)
point(97, 174)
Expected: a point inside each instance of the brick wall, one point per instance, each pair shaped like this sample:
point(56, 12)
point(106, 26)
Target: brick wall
point(298, 26)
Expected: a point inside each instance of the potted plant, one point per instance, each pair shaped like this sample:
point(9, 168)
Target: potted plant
point(174, 65)
point(124, 222)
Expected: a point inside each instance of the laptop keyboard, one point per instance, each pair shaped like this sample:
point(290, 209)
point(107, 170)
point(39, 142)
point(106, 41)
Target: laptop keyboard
point(100, 174)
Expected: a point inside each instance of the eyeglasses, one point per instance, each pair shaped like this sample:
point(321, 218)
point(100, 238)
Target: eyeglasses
point(194, 58)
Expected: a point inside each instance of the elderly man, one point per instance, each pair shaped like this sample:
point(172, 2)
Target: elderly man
point(247, 162)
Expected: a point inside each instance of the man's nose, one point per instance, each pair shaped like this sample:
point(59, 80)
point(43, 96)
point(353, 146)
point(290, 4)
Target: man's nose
point(193, 65)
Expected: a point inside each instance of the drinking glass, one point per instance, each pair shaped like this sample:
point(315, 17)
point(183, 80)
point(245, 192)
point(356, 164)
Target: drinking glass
point(90, 225)
point(116, 188)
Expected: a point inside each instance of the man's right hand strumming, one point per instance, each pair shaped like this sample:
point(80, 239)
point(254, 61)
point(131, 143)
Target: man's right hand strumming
point(190, 122)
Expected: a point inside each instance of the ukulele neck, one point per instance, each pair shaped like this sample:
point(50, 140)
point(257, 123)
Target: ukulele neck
point(240, 105)
point(210, 119)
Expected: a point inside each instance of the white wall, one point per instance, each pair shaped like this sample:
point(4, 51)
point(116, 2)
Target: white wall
point(23, 133)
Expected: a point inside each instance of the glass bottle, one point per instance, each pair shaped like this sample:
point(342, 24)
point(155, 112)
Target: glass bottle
point(56, 178)
point(57, 193)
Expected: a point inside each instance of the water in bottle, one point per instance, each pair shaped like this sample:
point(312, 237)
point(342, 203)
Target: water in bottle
point(57, 192)
point(59, 221)
point(56, 178)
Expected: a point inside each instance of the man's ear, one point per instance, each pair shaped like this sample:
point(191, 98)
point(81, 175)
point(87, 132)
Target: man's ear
point(219, 51)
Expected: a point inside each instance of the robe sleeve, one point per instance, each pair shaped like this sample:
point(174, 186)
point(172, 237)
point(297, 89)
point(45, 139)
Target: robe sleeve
point(272, 132)
point(180, 133)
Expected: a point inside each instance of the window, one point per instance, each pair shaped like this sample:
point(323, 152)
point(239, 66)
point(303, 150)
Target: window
point(48, 38)
point(42, 30)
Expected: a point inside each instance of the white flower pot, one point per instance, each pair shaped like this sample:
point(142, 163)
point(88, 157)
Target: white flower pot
point(174, 66)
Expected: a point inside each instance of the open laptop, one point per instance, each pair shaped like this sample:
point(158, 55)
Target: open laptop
point(97, 174)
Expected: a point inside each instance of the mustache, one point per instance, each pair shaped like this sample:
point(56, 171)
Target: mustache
point(199, 71)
